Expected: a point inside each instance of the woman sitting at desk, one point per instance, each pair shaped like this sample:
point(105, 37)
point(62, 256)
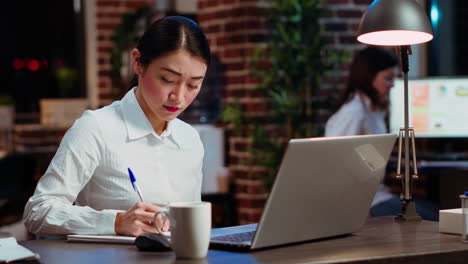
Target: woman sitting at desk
point(86, 188)
point(363, 111)
point(364, 104)
point(365, 100)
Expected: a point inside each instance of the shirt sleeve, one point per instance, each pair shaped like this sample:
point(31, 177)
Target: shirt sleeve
point(345, 123)
point(51, 210)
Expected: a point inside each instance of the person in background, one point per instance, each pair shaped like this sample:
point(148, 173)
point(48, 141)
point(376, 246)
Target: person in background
point(365, 100)
point(363, 110)
point(86, 188)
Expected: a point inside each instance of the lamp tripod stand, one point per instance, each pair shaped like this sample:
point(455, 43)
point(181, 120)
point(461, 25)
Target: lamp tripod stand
point(408, 207)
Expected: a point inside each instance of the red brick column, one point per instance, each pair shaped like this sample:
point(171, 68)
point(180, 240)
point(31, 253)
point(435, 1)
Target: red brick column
point(341, 22)
point(108, 16)
point(234, 28)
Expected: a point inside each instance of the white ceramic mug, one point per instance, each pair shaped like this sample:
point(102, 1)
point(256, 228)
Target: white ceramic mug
point(190, 228)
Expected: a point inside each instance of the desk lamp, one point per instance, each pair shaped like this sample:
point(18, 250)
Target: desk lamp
point(399, 23)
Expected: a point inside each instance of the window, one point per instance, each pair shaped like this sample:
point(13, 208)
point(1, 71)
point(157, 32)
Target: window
point(41, 52)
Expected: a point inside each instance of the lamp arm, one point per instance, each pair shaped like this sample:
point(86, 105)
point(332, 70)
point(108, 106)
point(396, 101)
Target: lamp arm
point(404, 50)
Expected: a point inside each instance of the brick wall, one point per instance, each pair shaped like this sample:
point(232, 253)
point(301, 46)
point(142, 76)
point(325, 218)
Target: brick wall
point(234, 28)
point(341, 23)
point(108, 16)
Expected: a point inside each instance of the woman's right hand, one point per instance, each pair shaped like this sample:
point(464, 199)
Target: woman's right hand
point(139, 220)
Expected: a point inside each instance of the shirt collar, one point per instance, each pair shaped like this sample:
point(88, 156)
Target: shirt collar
point(139, 126)
point(364, 99)
point(173, 132)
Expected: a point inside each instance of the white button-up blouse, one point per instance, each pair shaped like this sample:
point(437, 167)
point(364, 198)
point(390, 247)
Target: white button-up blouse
point(87, 182)
point(356, 118)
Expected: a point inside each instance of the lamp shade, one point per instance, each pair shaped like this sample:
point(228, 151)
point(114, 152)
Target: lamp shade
point(394, 23)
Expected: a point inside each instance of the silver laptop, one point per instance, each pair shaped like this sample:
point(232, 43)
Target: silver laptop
point(324, 188)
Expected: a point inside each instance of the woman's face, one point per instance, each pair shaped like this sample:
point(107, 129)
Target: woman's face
point(384, 80)
point(169, 84)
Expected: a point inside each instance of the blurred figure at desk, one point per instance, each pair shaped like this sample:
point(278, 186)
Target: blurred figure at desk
point(86, 188)
point(364, 103)
point(363, 110)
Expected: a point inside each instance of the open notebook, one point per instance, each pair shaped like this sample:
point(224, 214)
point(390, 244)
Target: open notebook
point(106, 239)
point(11, 251)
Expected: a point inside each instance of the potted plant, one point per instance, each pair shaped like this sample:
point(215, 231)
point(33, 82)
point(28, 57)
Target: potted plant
point(290, 69)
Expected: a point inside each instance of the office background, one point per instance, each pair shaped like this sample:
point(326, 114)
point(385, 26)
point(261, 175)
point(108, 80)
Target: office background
point(73, 60)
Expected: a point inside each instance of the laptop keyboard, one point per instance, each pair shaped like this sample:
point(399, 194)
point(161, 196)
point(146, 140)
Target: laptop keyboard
point(236, 238)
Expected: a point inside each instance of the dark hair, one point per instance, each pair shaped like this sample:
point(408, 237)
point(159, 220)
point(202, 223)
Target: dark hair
point(364, 67)
point(169, 34)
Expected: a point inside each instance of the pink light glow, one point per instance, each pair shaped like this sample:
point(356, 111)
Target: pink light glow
point(33, 65)
point(18, 64)
point(394, 38)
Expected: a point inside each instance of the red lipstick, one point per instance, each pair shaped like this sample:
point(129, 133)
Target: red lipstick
point(171, 108)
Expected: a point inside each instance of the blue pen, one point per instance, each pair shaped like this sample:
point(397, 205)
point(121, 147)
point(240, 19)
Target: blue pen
point(135, 186)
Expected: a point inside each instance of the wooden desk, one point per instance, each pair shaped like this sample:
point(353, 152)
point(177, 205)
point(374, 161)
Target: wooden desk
point(381, 240)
